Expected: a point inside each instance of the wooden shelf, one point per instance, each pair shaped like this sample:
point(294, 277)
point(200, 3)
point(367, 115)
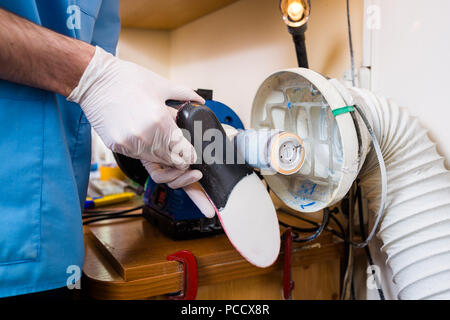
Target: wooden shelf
point(166, 14)
point(126, 259)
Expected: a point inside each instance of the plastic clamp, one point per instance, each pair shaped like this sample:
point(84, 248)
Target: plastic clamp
point(190, 282)
point(343, 110)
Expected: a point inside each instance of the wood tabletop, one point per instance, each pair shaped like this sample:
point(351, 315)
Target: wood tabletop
point(127, 259)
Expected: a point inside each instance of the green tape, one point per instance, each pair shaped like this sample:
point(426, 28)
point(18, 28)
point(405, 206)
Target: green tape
point(343, 110)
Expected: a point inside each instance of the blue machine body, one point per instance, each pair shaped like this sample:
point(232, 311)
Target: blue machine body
point(175, 203)
point(224, 114)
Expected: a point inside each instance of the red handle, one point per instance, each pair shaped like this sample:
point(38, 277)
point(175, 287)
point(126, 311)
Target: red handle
point(190, 274)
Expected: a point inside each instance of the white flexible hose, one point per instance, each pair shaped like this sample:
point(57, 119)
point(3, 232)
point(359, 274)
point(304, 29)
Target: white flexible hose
point(415, 230)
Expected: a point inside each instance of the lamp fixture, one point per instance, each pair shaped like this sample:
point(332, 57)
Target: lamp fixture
point(295, 15)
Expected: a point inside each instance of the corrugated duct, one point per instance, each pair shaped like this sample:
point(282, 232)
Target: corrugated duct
point(415, 229)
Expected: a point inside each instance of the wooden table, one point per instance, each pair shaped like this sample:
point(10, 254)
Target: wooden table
point(126, 259)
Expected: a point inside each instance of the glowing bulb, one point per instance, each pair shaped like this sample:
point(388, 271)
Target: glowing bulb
point(295, 10)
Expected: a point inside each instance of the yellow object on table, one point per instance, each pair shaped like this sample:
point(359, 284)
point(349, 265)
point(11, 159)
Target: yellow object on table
point(111, 172)
point(108, 200)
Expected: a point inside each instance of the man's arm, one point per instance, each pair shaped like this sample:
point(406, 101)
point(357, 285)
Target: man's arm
point(35, 56)
point(124, 102)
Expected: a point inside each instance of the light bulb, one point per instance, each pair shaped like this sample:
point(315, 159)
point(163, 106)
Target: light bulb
point(295, 10)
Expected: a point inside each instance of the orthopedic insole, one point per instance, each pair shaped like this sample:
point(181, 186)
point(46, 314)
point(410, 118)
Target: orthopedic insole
point(241, 201)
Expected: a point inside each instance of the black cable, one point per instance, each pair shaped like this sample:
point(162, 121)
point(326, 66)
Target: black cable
point(374, 141)
point(383, 182)
point(298, 35)
point(338, 223)
point(305, 230)
point(299, 217)
point(325, 220)
point(346, 253)
point(316, 224)
point(363, 234)
point(340, 235)
point(109, 213)
point(342, 229)
point(113, 217)
point(350, 40)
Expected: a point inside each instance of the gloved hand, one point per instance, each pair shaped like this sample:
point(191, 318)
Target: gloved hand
point(186, 179)
point(125, 104)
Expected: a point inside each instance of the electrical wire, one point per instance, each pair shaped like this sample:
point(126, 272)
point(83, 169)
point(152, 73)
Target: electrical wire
point(363, 234)
point(120, 214)
point(383, 174)
point(323, 225)
point(350, 40)
point(113, 217)
point(374, 141)
point(340, 235)
point(305, 230)
point(108, 213)
point(338, 223)
point(348, 276)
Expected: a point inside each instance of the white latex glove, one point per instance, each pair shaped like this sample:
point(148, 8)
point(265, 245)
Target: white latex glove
point(187, 179)
point(125, 104)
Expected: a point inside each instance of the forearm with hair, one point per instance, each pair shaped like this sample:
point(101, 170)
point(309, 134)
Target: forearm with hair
point(35, 56)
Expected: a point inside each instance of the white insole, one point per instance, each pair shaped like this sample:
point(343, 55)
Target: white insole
point(250, 222)
point(199, 197)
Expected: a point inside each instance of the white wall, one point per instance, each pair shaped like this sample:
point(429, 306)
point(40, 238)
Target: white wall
point(231, 51)
point(409, 56)
point(235, 48)
point(149, 48)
